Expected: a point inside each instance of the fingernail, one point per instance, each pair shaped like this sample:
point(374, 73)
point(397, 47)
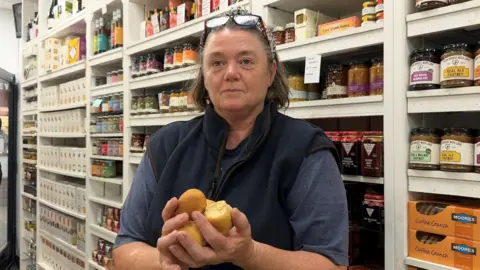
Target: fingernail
point(195, 215)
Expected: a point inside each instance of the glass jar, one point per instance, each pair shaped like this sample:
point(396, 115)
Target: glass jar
point(189, 55)
point(190, 104)
point(168, 59)
point(120, 75)
point(116, 123)
point(376, 76)
point(164, 100)
point(290, 32)
point(336, 138)
point(120, 147)
point(93, 126)
point(358, 79)
point(114, 75)
point(134, 105)
point(453, 2)
point(120, 119)
point(278, 35)
point(141, 103)
point(152, 64)
point(135, 67)
point(174, 100)
point(350, 152)
point(98, 125)
point(149, 103)
point(372, 154)
point(116, 103)
point(137, 142)
point(298, 91)
point(178, 57)
point(337, 81)
point(368, 8)
point(456, 66)
point(457, 150)
point(105, 104)
point(428, 5)
point(143, 66)
point(476, 75)
point(425, 69)
point(121, 102)
point(425, 149)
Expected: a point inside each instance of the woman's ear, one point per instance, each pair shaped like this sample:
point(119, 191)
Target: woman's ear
point(273, 71)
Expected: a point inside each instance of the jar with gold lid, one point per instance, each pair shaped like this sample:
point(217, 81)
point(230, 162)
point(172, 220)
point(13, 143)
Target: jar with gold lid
point(358, 79)
point(376, 76)
point(457, 150)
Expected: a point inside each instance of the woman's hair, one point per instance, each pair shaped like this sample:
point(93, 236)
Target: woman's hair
point(277, 93)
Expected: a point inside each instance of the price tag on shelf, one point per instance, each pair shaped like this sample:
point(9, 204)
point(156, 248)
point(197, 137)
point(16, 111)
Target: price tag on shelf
point(312, 69)
point(104, 9)
point(97, 102)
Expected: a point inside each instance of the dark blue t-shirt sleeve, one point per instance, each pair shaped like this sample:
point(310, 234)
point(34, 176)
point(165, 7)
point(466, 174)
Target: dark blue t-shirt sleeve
point(135, 208)
point(317, 206)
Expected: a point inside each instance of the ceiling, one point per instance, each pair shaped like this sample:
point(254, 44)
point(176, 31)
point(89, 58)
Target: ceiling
point(7, 4)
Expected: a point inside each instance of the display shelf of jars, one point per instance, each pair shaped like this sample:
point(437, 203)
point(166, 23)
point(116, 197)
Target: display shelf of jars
point(62, 243)
point(61, 209)
point(107, 89)
point(191, 28)
point(62, 135)
point(462, 99)
point(427, 265)
point(67, 71)
point(434, 21)
point(336, 43)
point(444, 183)
point(107, 57)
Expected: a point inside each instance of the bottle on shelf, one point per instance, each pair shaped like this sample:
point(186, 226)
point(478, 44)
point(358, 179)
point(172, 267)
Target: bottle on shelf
point(119, 30)
point(112, 30)
point(102, 37)
point(95, 38)
point(148, 24)
point(51, 17)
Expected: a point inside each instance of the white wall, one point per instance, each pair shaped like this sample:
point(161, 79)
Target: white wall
point(9, 44)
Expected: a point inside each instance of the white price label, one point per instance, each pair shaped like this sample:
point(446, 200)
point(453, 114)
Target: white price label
point(181, 14)
point(312, 69)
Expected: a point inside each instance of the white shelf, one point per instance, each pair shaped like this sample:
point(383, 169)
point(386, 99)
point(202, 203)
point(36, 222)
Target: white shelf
point(68, 26)
point(29, 112)
point(107, 89)
point(363, 179)
point(336, 43)
point(106, 157)
point(95, 265)
point(464, 99)
point(135, 158)
point(70, 70)
point(445, 183)
point(107, 57)
point(427, 265)
point(61, 172)
point(342, 107)
point(106, 135)
point(29, 134)
point(64, 244)
point(62, 135)
point(115, 180)
point(29, 83)
point(61, 209)
point(191, 28)
point(164, 78)
point(28, 195)
point(29, 161)
point(113, 201)
point(103, 233)
point(29, 146)
point(433, 21)
point(161, 119)
point(43, 265)
point(63, 107)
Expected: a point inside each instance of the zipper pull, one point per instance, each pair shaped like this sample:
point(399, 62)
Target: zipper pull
point(212, 188)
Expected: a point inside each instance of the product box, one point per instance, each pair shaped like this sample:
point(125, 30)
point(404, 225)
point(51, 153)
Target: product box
point(339, 25)
point(309, 18)
point(305, 32)
point(446, 250)
point(76, 49)
point(444, 219)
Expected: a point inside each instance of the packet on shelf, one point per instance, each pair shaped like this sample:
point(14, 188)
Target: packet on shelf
point(339, 25)
point(446, 250)
point(445, 219)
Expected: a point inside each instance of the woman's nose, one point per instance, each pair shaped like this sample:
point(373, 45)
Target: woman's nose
point(232, 72)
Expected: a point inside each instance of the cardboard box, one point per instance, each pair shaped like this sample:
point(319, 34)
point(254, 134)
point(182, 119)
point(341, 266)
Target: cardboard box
point(446, 250)
point(309, 18)
point(445, 219)
point(339, 25)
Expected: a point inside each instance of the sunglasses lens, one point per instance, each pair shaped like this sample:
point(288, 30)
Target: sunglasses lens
point(216, 22)
point(246, 20)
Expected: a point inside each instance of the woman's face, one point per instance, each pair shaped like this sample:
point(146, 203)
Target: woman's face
point(236, 70)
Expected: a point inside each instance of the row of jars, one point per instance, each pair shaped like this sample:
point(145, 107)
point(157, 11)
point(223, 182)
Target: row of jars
point(177, 57)
point(30, 123)
point(360, 79)
point(361, 153)
point(111, 77)
point(164, 102)
point(30, 154)
point(433, 4)
point(108, 147)
point(107, 124)
point(105, 168)
point(139, 142)
point(107, 103)
point(455, 65)
point(450, 149)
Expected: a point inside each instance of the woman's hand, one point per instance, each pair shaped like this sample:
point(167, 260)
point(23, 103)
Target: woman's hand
point(237, 247)
point(169, 236)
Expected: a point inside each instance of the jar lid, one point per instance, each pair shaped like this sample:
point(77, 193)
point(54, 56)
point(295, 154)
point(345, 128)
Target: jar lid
point(373, 133)
point(178, 47)
point(378, 59)
point(468, 131)
point(278, 29)
point(336, 66)
point(426, 50)
point(290, 25)
point(463, 46)
point(426, 130)
point(357, 62)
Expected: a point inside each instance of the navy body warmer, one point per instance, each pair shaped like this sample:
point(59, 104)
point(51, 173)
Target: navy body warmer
point(189, 154)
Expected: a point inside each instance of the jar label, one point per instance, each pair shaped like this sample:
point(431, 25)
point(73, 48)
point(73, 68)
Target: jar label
point(297, 94)
point(457, 67)
point(368, 11)
point(419, 2)
point(378, 8)
point(358, 88)
point(336, 90)
point(423, 152)
point(422, 72)
point(313, 95)
point(348, 147)
point(477, 154)
point(376, 84)
point(455, 152)
point(476, 76)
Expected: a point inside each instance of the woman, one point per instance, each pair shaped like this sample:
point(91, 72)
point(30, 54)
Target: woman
point(278, 173)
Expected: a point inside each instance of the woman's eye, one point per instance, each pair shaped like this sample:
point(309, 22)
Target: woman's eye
point(217, 63)
point(246, 62)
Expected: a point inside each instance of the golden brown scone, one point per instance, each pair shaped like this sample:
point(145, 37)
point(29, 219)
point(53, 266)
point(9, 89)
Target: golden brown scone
point(219, 215)
point(191, 200)
point(192, 230)
point(209, 202)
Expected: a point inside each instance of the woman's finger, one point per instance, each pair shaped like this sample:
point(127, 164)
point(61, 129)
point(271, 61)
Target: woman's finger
point(182, 255)
point(213, 237)
point(174, 223)
point(240, 222)
point(169, 209)
point(165, 241)
point(203, 255)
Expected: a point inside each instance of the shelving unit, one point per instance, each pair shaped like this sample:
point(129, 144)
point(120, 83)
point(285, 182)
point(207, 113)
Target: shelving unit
point(397, 111)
